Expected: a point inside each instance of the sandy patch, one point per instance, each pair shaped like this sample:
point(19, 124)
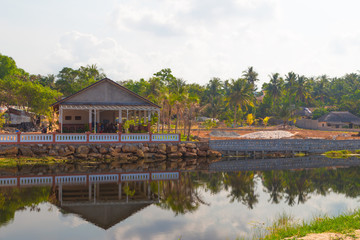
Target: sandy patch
point(268, 135)
point(330, 236)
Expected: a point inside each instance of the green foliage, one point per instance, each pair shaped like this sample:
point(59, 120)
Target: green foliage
point(209, 124)
point(319, 112)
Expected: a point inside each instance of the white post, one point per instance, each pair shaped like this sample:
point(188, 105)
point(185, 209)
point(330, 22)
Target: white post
point(158, 123)
point(61, 119)
point(145, 118)
point(120, 116)
point(149, 116)
point(95, 123)
point(127, 114)
point(90, 119)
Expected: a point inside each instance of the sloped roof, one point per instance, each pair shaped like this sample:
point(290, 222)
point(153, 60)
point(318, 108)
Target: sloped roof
point(102, 81)
point(105, 215)
point(340, 117)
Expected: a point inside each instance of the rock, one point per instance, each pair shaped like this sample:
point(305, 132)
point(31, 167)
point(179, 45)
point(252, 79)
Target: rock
point(201, 153)
point(204, 147)
point(9, 151)
point(103, 150)
point(107, 156)
point(40, 151)
point(82, 149)
point(160, 156)
point(162, 147)
point(190, 145)
point(71, 148)
point(161, 152)
point(190, 155)
point(124, 156)
point(133, 158)
point(181, 144)
point(26, 151)
point(81, 155)
point(145, 149)
point(213, 153)
point(176, 155)
point(152, 150)
point(172, 149)
point(140, 153)
point(182, 149)
point(95, 155)
point(114, 153)
point(149, 155)
point(129, 149)
point(53, 152)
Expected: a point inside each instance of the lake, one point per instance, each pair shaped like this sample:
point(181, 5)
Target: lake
point(225, 200)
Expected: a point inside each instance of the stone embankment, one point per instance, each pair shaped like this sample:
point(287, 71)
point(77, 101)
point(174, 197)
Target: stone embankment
point(127, 152)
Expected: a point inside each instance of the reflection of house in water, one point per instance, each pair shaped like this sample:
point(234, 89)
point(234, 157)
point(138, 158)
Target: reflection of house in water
point(102, 199)
point(105, 204)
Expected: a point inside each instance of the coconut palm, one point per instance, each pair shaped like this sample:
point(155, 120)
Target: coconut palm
point(241, 95)
point(274, 87)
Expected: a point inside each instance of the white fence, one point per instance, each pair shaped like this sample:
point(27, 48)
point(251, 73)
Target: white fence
point(86, 178)
point(35, 138)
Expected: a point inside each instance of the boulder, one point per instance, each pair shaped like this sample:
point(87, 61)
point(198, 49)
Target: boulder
point(172, 149)
point(201, 153)
point(182, 149)
point(82, 149)
point(95, 155)
point(53, 152)
point(129, 149)
point(71, 148)
point(26, 151)
point(190, 145)
point(213, 153)
point(162, 147)
point(161, 152)
point(124, 156)
point(190, 155)
point(140, 153)
point(149, 155)
point(176, 155)
point(204, 147)
point(103, 150)
point(81, 155)
point(160, 156)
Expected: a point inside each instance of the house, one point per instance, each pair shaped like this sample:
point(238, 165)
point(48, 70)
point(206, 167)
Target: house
point(103, 107)
point(339, 120)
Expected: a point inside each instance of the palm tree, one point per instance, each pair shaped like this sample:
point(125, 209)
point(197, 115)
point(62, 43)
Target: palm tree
point(290, 84)
point(302, 91)
point(241, 95)
point(274, 87)
point(250, 75)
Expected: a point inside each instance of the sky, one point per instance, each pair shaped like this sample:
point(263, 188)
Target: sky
point(197, 39)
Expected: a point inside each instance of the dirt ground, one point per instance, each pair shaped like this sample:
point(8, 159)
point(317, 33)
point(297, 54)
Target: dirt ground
point(329, 236)
point(298, 133)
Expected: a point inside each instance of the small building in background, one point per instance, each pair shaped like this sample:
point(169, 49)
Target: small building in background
point(343, 119)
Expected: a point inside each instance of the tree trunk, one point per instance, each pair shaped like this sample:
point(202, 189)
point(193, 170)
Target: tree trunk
point(177, 120)
point(169, 123)
point(235, 116)
point(188, 136)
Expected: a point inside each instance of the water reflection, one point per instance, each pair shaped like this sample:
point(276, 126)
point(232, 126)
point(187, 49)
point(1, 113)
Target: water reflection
point(106, 199)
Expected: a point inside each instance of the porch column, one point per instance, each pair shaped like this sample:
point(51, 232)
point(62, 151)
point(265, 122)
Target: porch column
point(90, 120)
point(158, 123)
point(61, 119)
point(95, 123)
point(120, 120)
point(145, 118)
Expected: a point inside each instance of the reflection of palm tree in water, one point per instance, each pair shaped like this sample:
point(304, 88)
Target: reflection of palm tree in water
point(242, 186)
point(179, 196)
point(274, 185)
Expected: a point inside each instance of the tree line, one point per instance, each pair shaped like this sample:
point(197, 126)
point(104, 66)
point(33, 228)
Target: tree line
point(234, 101)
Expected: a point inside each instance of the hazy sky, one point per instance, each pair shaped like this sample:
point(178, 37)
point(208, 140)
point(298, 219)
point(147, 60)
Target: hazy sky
point(197, 39)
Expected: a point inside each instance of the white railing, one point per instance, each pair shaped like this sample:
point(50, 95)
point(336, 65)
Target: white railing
point(104, 178)
point(36, 180)
point(103, 137)
point(7, 182)
point(20, 138)
point(37, 138)
point(165, 176)
point(135, 137)
point(70, 179)
point(135, 177)
point(165, 137)
point(70, 138)
point(8, 138)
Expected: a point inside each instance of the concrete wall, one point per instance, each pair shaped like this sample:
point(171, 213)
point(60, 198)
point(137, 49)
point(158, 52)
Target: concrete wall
point(315, 125)
point(282, 145)
point(83, 113)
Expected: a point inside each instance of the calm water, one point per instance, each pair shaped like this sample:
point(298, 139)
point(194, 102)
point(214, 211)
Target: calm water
point(197, 204)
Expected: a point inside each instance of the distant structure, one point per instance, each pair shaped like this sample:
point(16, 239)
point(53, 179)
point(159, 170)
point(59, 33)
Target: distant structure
point(331, 121)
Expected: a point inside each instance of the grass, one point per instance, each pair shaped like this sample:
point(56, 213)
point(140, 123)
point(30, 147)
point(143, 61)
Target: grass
point(14, 162)
point(341, 153)
point(285, 226)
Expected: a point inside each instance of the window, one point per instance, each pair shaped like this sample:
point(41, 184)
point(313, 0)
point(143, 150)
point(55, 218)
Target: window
point(77, 117)
point(67, 117)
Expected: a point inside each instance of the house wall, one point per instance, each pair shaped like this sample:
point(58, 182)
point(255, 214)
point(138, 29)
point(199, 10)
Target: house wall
point(18, 119)
point(83, 113)
point(315, 125)
point(108, 115)
point(106, 93)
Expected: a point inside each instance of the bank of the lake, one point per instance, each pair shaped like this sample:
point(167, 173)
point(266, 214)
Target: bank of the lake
point(339, 227)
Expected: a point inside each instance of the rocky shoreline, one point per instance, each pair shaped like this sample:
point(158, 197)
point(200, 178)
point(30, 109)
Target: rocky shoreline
point(128, 152)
